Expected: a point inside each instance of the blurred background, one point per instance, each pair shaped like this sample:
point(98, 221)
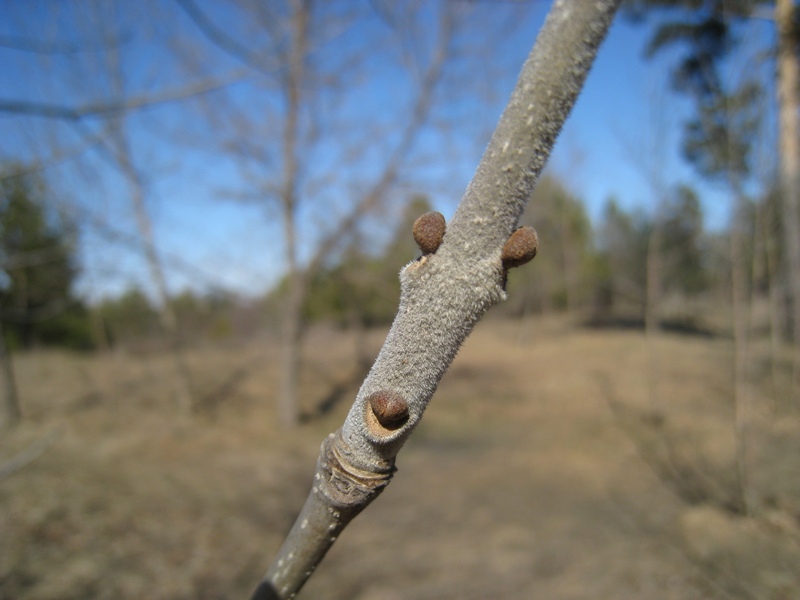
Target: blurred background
point(204, 206)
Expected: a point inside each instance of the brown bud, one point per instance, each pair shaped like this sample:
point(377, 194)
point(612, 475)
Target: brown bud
point(429, 231)
point(520, 248)
point(389, 408)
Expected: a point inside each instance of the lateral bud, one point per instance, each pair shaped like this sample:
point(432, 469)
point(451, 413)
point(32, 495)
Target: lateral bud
point(520, 248)
point(390, 409)
point(429, 231)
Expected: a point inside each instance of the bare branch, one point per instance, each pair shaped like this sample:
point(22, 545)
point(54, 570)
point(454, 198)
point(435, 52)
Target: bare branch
point(24, 44)
point(444, 294)
point(31, 453)
point(221, 39)
point(60, 154)
point(419, 114)
point(133, 103)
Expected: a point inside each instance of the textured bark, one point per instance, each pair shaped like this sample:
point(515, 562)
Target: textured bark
point(444, 294)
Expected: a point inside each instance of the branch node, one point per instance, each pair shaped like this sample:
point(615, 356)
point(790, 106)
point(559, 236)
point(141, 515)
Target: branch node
point(347, 488)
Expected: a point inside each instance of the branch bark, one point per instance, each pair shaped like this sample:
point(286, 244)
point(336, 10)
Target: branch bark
point(444, 294)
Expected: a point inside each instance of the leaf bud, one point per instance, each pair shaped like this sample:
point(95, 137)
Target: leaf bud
point(520, 248)
point(389, 408)
point(429, 231)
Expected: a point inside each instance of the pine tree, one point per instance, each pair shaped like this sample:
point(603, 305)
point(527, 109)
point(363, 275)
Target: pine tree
point(37, 258)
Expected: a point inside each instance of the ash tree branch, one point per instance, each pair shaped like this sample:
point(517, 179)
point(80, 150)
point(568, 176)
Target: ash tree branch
point(444, 294)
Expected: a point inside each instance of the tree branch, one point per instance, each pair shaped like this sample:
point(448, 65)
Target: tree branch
point(243, 53)
point(444, 293)
point(29, 454)
point(419, 114)
point(98, 109)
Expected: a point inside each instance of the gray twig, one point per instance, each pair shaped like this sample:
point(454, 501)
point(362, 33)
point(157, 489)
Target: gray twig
point(444, 293)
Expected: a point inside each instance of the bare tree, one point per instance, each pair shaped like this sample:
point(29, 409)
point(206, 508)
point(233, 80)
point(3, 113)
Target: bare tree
point(166, 313)
point(648, 156)
point(375, 195)
point(278, 150)
point(461, 274)
point(120, 148)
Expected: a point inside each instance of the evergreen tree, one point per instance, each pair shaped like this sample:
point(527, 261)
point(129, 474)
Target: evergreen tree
point(37, 303)
point(622, 242)
point(129, 318)
point(683, 244)
point(718, 138)
point(559, 280)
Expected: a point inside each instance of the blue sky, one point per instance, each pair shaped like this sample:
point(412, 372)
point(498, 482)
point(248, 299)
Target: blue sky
point(624, 133)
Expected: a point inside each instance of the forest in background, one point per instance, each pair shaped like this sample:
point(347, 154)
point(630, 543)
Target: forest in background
point(336, 188)
point(596, 273)
point(636, 397)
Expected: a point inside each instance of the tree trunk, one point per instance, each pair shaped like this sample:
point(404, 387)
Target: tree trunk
point(771, 256)
point(166, 314)
point(293, 305)
point(291, 336)
point(123, 154)
point(292, 331)
point(444, 294)
point(739, 297)
point(790, 160)
point(651, 306)
point(571, 274)
point(11, 400)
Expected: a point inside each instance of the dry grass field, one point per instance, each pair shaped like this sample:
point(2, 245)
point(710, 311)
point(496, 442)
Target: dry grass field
point(554, 463)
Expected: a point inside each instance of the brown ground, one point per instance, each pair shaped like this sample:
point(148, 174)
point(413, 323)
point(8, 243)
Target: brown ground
point(553, 463)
